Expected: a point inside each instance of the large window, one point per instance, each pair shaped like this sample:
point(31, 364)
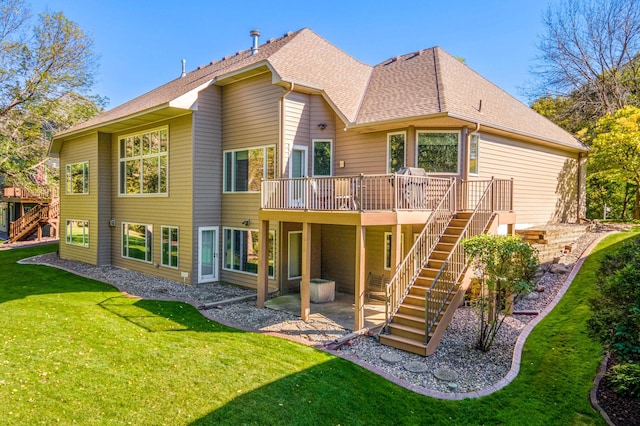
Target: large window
point(77, 232)
point(322, 158)
point(169, 246)
point(474, 147)
point(438, 152)
point(395, 151)
point(144, 163)
point(241, 250)
point(137, 241)
point(387, 249)
point(244, 169)
point(77, 178)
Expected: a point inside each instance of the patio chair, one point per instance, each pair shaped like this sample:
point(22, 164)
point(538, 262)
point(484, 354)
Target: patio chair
point(376, 287)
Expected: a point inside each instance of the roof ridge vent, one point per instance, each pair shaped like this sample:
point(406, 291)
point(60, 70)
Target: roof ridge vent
point(255, 34)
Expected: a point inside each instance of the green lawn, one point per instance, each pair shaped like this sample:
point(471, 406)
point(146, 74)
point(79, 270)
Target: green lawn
point(74, 350)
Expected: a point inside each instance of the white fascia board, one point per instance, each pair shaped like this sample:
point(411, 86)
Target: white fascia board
point(189, 100)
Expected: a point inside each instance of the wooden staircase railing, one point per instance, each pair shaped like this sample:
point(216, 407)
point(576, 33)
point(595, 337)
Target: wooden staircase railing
point(455, 265)
point(407, 271)
point(28, 222)
point(433, 293)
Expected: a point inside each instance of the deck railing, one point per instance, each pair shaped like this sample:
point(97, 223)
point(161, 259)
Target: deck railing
point(455, 264)
point(39, 194)
point(501, 194)
point(407, 271)
point(354, 193)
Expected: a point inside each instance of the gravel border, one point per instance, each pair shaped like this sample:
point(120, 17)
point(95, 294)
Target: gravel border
point(478, 373)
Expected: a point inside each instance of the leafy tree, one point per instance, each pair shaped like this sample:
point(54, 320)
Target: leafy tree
point(507, 266)
point(562, 110)
point(615, 152)
point(589, 52)
point(46, 67)
point(616, 310)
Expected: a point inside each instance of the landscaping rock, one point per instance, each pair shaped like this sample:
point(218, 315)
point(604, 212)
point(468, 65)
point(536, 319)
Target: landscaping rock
point(559, 268)
point(391, 357)
point(445, 374)
point(532, 296)
point(416, 367)
point(540, 288)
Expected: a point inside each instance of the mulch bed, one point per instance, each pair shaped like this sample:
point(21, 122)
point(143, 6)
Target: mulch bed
point(621, 410)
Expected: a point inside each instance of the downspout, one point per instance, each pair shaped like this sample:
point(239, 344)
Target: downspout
point(578, 190)
point(281, 130)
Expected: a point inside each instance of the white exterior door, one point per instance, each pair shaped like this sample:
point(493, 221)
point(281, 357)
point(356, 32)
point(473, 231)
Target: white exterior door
point(208, 254)
point(297, 169)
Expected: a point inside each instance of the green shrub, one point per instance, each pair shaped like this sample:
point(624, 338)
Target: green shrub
point(625, 379)
point(616, 310)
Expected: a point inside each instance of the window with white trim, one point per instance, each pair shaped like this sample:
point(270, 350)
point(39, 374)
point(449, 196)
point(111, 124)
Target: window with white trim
point(137, 241)
point(322, 157)
point(169, 246)
point(77, 178)
point(244, 169)
point(387, 249)
point(144, 163)
point(77, 232)
point(474, 150)
point(438, 151)
point(396, 143)
point(241, 251)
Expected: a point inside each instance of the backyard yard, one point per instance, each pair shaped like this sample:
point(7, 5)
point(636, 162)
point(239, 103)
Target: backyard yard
point(77, 351)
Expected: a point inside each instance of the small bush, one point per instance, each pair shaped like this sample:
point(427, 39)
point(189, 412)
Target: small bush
point(625, 379)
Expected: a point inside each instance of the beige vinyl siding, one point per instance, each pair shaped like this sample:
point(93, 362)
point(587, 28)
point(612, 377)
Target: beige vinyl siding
point(361, 153)
point(321, 112)
point(80, 206)
point(250, 113)
point(338, 256)
point(250, 118)
point(545, 179)
point(175, 209)
point(103, 177)
point(296, 127)
point(207, 168)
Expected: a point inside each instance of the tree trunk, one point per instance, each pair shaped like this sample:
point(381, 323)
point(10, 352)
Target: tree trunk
point(636, 204)
point(625, 203)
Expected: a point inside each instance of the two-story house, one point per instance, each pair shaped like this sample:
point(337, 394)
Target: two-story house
point(277, 165)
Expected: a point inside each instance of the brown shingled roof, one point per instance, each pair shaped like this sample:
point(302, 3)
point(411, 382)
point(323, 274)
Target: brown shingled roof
point(415, 85)
point(181, 85)
point(432, 82)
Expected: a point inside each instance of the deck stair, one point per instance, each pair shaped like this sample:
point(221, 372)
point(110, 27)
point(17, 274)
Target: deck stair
point(33, 221)
point(407, 329)
point(421, 306)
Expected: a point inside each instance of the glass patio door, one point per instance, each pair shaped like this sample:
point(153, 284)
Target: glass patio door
point(208, 254)
point(297, 169)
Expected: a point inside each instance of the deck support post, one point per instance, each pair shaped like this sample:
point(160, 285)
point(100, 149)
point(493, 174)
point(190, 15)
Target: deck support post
point(305, 284)
point(396, 247)
point(359, 277)
point(263, 263)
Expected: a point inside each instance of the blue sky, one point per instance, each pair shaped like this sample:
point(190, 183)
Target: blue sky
point(140, 43)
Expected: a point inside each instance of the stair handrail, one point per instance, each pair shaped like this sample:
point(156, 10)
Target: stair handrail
point(454, 266)
point(54, 209)
point(409, 269)
point(25, 221)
